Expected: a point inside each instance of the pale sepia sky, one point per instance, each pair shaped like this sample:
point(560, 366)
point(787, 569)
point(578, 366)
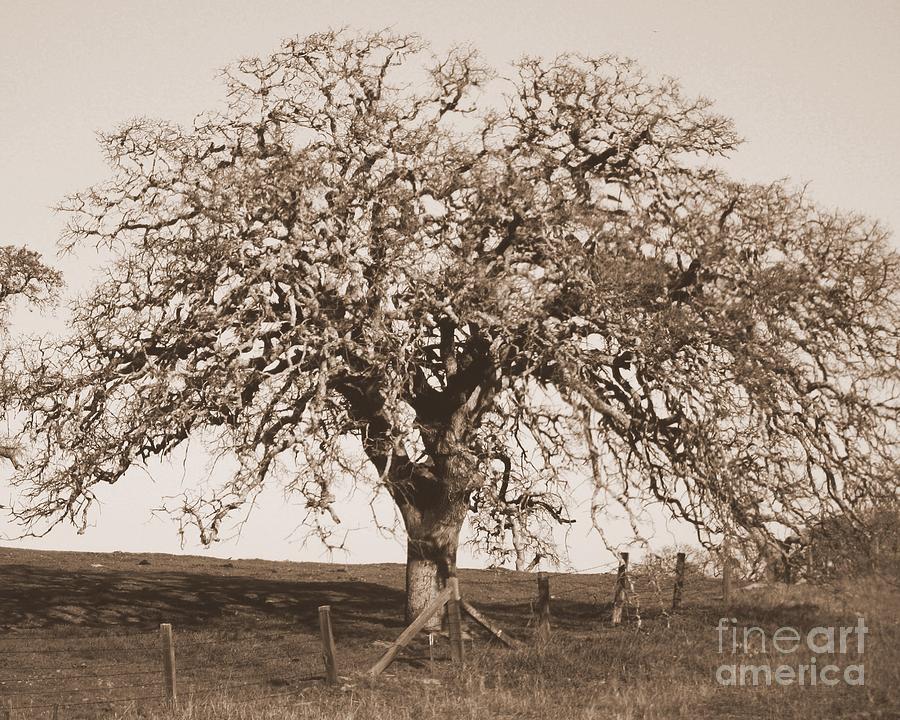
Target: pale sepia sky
point(812, 86)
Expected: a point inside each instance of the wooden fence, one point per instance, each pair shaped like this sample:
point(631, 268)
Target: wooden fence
point(454, 605)
point(92, 675)
point(165, 667)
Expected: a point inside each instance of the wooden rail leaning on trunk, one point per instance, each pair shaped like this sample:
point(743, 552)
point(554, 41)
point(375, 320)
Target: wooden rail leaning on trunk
point(436, 605)
point(450, 599)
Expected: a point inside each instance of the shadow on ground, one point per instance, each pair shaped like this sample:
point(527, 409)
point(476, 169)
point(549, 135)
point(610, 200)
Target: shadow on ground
point(33, 597)
point(68, 593)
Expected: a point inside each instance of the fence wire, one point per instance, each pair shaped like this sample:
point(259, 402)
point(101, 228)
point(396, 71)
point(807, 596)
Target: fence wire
point(109, 669)
point(66, 676)
point(647, 592)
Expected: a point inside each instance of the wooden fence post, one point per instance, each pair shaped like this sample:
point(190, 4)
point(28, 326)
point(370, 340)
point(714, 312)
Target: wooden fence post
point(619, 596)
point(726, 571)
point(328, 655)
point(168, 662)
point(543, 624)
point(454, 621)
point(679, 581)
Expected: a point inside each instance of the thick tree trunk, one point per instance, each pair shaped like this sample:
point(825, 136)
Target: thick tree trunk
point(431, 495)
point(423, 582)
point(432, 541)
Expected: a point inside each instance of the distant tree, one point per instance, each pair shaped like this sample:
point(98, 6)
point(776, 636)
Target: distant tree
point(838, 548)
point(377, 266)
point(22, 276)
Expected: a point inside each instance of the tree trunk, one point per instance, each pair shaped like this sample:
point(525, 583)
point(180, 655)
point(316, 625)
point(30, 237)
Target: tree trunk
point(432, 541)
point(433, 514)
point(423, 582)
point(431, 495)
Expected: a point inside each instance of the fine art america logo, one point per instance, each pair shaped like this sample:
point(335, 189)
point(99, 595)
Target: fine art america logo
point(822, 643)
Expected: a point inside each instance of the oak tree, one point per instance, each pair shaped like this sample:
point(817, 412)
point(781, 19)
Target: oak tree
point(380, 263)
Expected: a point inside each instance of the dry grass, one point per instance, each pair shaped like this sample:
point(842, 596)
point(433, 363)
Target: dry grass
point(246, 638)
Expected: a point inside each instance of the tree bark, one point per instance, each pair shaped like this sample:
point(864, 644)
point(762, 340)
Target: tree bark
point(432, 541)
point(432, 500)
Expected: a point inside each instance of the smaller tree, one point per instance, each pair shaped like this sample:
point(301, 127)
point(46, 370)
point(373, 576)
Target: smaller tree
point(22, 276)
point(838, 547)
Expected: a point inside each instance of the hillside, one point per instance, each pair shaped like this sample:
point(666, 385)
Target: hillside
point(79, 631)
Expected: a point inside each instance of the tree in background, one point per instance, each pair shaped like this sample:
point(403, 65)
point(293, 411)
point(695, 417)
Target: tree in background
point(22, 276)
point(836, 547)
point(379, 264)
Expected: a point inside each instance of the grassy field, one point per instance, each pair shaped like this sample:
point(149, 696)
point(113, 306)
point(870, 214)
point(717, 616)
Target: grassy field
point(79, 631)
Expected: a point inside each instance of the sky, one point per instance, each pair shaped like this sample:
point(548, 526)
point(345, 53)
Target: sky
point(813, 87)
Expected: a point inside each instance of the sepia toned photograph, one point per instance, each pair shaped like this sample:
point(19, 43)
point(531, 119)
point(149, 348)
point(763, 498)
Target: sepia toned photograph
point(419, 360)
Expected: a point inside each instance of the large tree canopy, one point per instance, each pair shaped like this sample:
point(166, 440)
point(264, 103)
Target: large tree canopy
point(367, 255)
